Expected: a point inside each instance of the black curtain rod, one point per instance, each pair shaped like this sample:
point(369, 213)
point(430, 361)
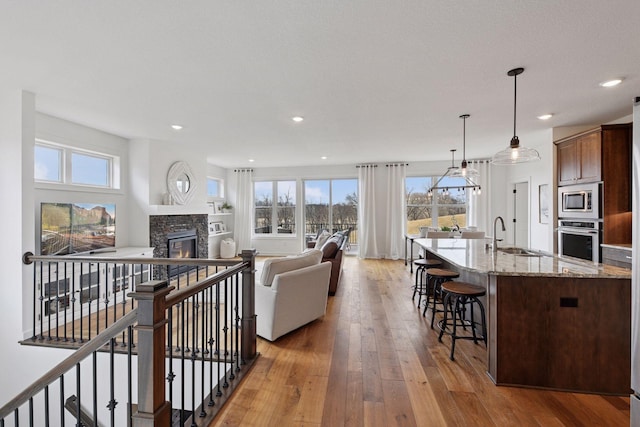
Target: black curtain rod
point(243, 170)
point(366, 166)
point(397, 164)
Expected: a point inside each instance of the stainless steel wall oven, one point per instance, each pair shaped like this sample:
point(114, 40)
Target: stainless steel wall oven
point(580, 239)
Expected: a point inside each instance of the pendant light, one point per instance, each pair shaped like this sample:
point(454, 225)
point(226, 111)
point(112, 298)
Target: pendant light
point(464, 170)
point(515, 153)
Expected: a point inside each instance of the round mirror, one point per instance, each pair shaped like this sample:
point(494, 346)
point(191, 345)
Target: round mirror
point(181, 183)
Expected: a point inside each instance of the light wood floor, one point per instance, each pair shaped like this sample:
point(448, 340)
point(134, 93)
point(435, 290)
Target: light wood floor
point(372, 360)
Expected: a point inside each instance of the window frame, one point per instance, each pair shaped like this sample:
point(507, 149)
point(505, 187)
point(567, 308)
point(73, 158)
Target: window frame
point(275, 207)
point(65, 166)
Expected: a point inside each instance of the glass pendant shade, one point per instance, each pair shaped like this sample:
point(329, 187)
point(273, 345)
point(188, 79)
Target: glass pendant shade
point(515, 153)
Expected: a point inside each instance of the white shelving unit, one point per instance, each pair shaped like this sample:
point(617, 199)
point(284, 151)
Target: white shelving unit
point(215, 237)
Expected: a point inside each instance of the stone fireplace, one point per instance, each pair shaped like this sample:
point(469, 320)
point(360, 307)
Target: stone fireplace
point(188, 232)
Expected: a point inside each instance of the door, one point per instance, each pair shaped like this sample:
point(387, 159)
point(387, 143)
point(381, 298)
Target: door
point(521, 214)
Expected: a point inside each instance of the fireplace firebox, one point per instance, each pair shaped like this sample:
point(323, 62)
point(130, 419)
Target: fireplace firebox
point(181, 244)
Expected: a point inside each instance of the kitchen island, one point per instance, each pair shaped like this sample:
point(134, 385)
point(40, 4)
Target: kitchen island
point(553, 322)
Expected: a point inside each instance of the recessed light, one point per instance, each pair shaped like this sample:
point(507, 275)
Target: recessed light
point(176, 127)
point(297, 119)
point(324, 157)
point(611, 83)
point(251, 160)
point(545, 116)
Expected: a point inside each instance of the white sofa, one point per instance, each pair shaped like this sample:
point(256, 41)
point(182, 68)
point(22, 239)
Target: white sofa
point(291, 292)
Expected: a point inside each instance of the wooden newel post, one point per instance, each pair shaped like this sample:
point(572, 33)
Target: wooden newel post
point(153, 409)
point(248, 350)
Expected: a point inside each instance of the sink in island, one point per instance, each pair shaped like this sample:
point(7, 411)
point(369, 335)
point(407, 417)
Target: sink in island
point(553, 322)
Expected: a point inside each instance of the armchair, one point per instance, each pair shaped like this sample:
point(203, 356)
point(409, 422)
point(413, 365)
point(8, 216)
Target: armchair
point(291, 293)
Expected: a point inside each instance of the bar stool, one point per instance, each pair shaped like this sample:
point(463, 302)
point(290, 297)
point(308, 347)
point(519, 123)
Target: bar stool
point(462, 294)
point(421, 286)
point(437, 276)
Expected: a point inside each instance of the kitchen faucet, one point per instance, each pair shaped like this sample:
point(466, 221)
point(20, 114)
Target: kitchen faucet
point(495, 239)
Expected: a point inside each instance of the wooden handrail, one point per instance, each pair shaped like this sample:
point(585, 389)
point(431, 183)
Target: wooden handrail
point(29, 258)
point(61, 368)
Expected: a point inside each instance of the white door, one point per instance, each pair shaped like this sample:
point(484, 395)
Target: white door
point(521, 214)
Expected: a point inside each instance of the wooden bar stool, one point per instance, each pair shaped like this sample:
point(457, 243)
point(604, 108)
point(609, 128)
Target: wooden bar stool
point(462, 294)
point(421, 286)
point(435, 278)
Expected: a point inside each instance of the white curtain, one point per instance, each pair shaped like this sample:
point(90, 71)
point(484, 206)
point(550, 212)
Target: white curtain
point(243, 219)
point(396, 210)
point(367, 246)
point(479, 213)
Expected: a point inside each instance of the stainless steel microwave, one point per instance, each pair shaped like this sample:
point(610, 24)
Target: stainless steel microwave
point(579, 201)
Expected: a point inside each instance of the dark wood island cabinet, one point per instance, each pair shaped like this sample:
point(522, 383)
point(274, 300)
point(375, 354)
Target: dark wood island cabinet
point(554, 322)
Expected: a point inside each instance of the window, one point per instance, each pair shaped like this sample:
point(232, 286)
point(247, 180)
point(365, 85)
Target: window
point(47, 164)
point(341, 196)
point(62, 164)
point(440, 209)
point(90, 170)
point(278, 217)
point(215, 188)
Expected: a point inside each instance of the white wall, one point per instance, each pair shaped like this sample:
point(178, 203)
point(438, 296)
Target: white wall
point(17, 127)
point(536, 174)
point(150, 162)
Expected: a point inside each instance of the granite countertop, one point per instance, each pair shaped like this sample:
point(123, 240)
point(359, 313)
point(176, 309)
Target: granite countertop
point(474, 255)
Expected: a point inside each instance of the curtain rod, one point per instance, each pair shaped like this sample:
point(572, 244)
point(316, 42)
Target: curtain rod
point(243, 170)
point(367, 166)
point(397, 164)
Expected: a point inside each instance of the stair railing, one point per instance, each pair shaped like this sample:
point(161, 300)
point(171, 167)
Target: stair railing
point(193, 346)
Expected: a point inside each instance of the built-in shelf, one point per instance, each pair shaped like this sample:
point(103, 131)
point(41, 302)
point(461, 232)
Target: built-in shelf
point(225, 233)
point(221, 214)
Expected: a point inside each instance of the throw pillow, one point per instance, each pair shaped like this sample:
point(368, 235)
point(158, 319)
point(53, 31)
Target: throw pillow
point(322, 238)
point(330, 248)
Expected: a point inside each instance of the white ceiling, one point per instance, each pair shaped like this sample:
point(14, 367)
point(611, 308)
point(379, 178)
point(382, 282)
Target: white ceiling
point(376, 80)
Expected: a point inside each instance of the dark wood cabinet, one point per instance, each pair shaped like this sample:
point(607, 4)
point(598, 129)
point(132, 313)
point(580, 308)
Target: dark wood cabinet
point(602, 155)
point(580, 159)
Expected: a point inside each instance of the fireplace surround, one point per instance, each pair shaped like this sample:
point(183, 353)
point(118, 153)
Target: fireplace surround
point(161, 226)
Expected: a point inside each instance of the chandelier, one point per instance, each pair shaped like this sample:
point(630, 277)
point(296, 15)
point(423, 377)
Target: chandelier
point(452, 172)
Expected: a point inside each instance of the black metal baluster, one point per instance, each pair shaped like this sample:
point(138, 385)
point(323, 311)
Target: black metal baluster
point(233, 331)
point(57, 301)
point(31, 411)
point(226, 330)
point(46, 406)
point(106, 295)
point(90, 302)
point(35, 292)
point(112, 401)
point(170, 375)
point(78, 407)
point(80, 301)
point(210, 309)
point(182, 351)
point(66, 300)
point(73, 302)
point(48, 303)
point(217, 350)
point(62, 409)
point(236, 280)
point(204, 349)
point(129, 376)
point(95, 388)
point(194, 305)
